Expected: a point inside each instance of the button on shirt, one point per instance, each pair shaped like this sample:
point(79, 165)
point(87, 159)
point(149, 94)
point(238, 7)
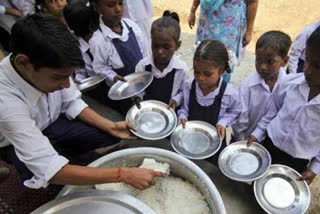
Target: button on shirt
point(254, 95)
point(24, 113)
point(106, 57)
point(87, 71)
point(298, 47)
point(295, 126)
point(230, 104)
point(180, 77)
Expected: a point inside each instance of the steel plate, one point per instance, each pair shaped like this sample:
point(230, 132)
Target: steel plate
point(198, 140)
point(90, 83)
point(279, 192)
point(153, 121)
point(242, 163)
point(135, 84)
point(95, 202)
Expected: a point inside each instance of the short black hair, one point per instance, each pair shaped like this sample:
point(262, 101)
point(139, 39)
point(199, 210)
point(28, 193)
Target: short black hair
point(81, 19)
point(275, 40)
point(46, 41)
point(215, 52)
point(168, 20)
point(313, 42)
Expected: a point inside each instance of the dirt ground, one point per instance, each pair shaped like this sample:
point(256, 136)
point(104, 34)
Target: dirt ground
point(290, 16)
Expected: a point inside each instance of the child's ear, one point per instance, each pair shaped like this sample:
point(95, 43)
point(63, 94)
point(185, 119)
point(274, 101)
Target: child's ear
point(22, 62)
point(179, 44)
point(285, 61)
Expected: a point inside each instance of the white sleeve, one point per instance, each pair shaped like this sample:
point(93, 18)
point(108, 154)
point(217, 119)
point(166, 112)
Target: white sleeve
point(31, 146)
point(297, 48)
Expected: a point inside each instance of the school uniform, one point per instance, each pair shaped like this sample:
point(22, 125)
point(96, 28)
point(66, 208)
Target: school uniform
point(33, 124)
point(292, 126)
point(166, 84)
point(220, 107)
point(297, 54)
point(254, 94)
point(87, 71)
point(117, 54)
point(141, 12)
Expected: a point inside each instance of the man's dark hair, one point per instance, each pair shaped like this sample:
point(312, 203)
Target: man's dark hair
point(46, 41)
point(82, 19)
point(275, 40)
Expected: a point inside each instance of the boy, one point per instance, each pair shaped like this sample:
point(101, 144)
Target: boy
point(292, 120)
point(271, 56)
point(40, 108)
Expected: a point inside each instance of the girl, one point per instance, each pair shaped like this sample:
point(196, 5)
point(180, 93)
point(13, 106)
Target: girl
point(209, 98)
point(117, 46)
point(83, 21)
point(168, 70)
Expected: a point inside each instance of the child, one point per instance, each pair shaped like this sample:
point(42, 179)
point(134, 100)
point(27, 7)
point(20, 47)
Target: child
point(209, 98)
point(297, 53)
point(83, 21)
point(53, 7)
point(168, 70)
point(117, 46)
point(292, 120)
point(271, 56)
point(41, 109)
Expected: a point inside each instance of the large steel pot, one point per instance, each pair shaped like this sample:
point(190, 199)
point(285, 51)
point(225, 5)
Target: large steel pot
point(179, 166)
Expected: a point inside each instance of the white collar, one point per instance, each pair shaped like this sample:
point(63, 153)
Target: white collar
point(84, 46)
point(212, 94)
point(109, 34)
point(257, 80)
point(31, 93)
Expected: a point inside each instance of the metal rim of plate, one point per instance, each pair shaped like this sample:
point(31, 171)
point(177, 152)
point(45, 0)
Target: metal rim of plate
point(233, 155)
point(90, 83)
point(135, 84)
point(82, 199)
point(205, 131)
point(301, 198)
point(160, 112)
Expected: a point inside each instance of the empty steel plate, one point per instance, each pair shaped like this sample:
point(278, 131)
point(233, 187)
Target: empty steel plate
point(242, 163)
point(279, 192)
point(135, 84)
point(90, 83)
point(198, 140)
point(153, 121)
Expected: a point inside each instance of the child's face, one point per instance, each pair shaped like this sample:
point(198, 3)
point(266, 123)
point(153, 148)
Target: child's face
point(164, 45)
point(54, 7)
point(268, 63)
point(206, 73)
point(111, 10)
point(312, 68)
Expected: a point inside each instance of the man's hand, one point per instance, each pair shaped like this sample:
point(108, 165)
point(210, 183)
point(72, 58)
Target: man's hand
point(122, 130)
point(307, 176)
point(172, 104)
point(139, 177)
point(221, 131)
point(118, 77)
point(192, 19)
point(13, 12)
point(251, 140)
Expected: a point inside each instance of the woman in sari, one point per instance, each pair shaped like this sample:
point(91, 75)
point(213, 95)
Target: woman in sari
point(229, 21)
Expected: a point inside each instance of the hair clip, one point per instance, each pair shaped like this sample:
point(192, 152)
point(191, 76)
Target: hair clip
point(233, 59)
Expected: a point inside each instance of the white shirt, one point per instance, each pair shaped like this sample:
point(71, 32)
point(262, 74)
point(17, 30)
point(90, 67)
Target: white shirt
point(106, 57)
point(7, 21)
point(254, 95)
point(87, 71)
point(180, 76)
point(298, 47)
point(295, 125)
point(24, 113)
point(230, 103)
point(138, 9)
